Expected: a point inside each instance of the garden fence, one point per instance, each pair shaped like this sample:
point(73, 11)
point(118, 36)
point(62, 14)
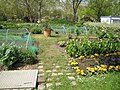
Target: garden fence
point(22, 38)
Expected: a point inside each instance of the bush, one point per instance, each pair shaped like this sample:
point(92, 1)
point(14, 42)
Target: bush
point(10, 54)
point(104, 30)
point(36, 30)
point(3, 18)
point(27, 57)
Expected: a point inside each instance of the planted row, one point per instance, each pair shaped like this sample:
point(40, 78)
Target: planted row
point(92, 70)
point(104, 30)
point(77, 48)
point(11, 54)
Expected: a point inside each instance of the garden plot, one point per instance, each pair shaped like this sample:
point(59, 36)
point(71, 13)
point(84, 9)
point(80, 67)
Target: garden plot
point(18, 79)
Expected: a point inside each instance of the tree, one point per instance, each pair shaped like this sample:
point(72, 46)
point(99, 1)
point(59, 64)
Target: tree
point(40, 10)
point(100, 8)
point(75, 5)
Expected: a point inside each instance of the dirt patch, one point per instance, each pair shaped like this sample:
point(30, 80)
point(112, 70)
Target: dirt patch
point(86, 63)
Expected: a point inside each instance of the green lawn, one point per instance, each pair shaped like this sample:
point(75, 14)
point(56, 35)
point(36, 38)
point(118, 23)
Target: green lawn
point(49, 54)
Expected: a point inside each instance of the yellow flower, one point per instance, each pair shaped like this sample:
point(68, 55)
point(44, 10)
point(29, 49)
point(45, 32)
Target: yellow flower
point(103, 66)
point(111, 67)
point(88, 56)
point(76, 67)
point(74, 63)
point(116, 68)
point(96, 54)
point(95, 68)
point(82, 72)
point(81, 57)
point(106, 54)
point(78, 70)
point(104, 69)
point(88, 68)
point(118, 53)
point(92, 56)
point(99, 68)
point(92, 70)
point(115, 53)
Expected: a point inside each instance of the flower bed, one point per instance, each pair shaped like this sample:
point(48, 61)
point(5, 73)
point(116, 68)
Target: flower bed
point(89, 65)
point(93, 57)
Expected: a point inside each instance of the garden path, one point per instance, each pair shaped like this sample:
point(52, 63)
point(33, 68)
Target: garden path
point(53, 65)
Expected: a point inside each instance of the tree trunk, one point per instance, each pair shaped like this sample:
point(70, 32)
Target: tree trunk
point(40, 10)
point(74, 16)
point(75, 6)
point(28, 9)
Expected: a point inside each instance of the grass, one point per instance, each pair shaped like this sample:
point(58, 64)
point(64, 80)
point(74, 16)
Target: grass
point(109, 81)
point(50, 54)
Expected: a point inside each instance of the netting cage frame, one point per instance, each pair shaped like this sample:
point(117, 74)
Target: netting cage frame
point(22, 38)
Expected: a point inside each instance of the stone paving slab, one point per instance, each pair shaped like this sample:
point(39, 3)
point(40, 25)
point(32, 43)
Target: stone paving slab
point(41, 70)
point(48, 71)
point(48, 85)
point(58, 84)
point(41, 75)
point(54, 74)
point(16, 79)
point(40, 67)
point(60, 73)
point(73, 83)
point(41, 87)
point(71, 78)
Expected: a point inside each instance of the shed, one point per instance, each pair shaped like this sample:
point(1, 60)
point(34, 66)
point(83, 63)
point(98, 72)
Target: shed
point(110, 19)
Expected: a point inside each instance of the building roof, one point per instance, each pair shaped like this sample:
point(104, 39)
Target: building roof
point(110, 16)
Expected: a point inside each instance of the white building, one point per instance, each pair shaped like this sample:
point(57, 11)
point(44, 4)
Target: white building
point(110, 19)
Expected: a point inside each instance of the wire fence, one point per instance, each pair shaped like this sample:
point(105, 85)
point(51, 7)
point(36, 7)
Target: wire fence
point(70, 30)
point(22, 38)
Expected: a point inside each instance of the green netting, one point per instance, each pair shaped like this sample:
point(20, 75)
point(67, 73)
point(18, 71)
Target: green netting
point(22, 38)
point(33, 49)
point(70, 29)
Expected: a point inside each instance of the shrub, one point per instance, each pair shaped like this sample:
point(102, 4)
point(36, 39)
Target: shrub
point(27, 57)
point(104, 30)
point(10, 54)
point(36, 30)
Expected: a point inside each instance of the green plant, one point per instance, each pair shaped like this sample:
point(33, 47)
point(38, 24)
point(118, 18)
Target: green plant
point(27, 57)
point(36, 30)
point(9, 54)
point(104, 31)
point(61, 43)
point(78, 48)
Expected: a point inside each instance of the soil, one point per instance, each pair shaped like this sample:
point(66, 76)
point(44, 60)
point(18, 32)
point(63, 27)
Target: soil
point(61, 49)
point(86, 63)
point(20, 66)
